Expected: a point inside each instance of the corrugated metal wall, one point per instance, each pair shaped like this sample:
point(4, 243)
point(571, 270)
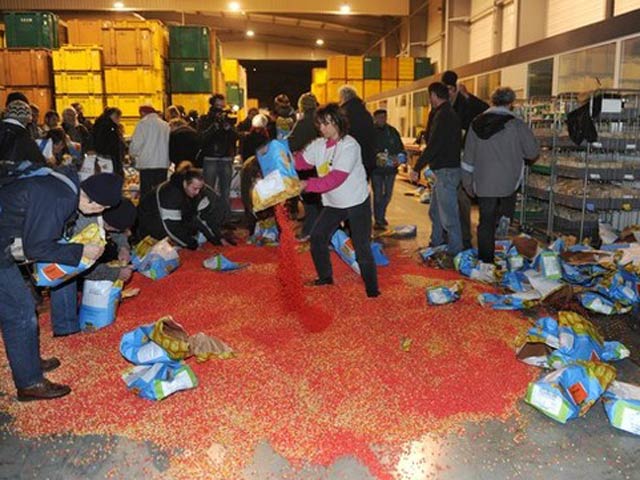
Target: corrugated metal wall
point(508, 27)
point(565, 15)
point(624, 6)
point(481, 39)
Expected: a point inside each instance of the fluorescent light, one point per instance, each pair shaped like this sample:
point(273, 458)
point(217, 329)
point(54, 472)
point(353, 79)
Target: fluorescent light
point(250, 33)
point(118, 5)
point(345, 8)
point(234, 6)
point(320, 42)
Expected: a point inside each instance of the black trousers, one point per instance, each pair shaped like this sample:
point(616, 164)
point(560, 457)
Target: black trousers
point(491, 209)
point(150, 178)
point(359, 218)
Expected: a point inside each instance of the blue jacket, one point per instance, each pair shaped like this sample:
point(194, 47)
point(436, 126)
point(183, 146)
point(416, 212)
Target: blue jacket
point(36, 209)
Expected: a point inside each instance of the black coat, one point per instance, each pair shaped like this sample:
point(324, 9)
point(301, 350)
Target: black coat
point(361, 128)
point(108, 141)
point(217, 141)
point(182, 217)
point(444, 142)
point(36, 210)
point(184, 144)
point(303, 133)
point(16, 144)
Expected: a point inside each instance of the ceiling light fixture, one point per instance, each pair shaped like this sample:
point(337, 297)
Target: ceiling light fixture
point(345, 9)
point(118, 5)
point(320, 42)
point(234, 6)
point(250, 33)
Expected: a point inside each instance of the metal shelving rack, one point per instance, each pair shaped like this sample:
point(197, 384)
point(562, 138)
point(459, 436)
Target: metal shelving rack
point(608, 167)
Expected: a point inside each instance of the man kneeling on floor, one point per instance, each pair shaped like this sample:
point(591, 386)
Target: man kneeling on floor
point(34, 211)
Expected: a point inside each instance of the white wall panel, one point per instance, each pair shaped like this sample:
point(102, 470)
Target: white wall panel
point(624, 6)
point(566, 15)
point(479, 6)
point(508, 27)
point(516, 78)
point(434, 52)
point(481, 39)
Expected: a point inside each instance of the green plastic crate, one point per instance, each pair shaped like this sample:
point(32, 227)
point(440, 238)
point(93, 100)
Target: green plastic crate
point(372, 68)
point(234, 94)
point(31, 29)
point(422, 67)
point(189, 43)
point(190, 76)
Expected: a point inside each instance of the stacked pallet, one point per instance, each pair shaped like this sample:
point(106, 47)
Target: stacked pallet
point(78, 78)
point(235, 77)
point(25, 65)
point(134, 53)
point(319, 84)
point(373, 75)
point(194, 53)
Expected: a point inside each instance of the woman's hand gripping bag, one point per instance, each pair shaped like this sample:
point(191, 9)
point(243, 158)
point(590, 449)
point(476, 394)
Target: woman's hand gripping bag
point(279, 180)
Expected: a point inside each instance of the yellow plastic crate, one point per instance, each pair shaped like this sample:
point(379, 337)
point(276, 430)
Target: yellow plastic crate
point(320, 91)
point(319, 76)
point(159, 33)
point(77, 59)
point(404, 83)
point(332, 90)
point(405, 68)
point(371, 87)
point(93, 105)
point(230, 68)
point(129, 104)
point(252, 103)
point(336, 67)
point(355, 68)
point(78, 82)
point(133, 80)
point(129, 124)
point(192, 101)
point(386, 85)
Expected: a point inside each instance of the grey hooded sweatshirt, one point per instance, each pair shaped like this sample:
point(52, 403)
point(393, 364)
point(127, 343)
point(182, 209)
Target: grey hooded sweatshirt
point(497, 145)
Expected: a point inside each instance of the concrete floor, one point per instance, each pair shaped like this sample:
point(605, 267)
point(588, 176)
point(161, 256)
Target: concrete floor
point(530, 446)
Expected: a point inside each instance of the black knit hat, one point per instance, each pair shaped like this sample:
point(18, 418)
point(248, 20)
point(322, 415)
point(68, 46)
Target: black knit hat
point(16, 96)
point(450, 78)
point(121, 217)
point(103, 188)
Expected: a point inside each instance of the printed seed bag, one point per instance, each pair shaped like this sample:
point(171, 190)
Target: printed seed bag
point(100, 300)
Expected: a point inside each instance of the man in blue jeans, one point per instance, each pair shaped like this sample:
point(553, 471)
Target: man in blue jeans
point(389, 149)
point(443, 156)
point(33, 213)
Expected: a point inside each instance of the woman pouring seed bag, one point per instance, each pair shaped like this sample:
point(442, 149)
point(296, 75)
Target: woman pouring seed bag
point(279, 180)
point(53, 274)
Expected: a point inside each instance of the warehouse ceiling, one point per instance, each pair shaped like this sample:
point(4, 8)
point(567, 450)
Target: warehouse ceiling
point(285, 22)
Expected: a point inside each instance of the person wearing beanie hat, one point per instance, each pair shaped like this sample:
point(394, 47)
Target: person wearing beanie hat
point(285, 116)
point(35, 211)
point(150, 148)
point(101, 191)
point(16, 142)
point(303, 133)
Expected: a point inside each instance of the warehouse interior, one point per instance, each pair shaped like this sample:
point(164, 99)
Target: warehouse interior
point(395, 387)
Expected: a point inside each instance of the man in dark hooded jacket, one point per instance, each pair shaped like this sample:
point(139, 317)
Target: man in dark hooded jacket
point(33, 214)
point(360, 126)
point(497, 145)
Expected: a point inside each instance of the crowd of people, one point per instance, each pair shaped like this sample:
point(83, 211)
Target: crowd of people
point(186, 163)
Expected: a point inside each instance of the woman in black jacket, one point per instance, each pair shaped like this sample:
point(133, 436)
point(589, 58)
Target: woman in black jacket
point(108, 140)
